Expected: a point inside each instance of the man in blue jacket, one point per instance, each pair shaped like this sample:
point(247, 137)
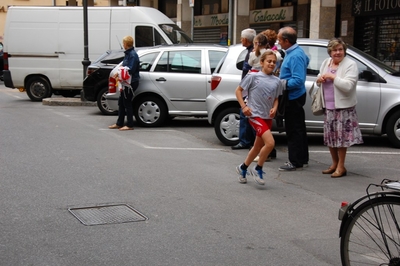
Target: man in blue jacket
point(293, 71)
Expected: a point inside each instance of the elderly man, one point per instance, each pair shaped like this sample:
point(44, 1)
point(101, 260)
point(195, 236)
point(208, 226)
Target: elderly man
point(293, 71)
point(246, 132)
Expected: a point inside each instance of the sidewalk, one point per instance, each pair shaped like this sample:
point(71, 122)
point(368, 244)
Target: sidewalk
point(63, 101)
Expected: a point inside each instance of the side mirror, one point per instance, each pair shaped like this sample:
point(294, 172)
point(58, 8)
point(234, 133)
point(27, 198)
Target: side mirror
point(367, 75)
point(239, 65)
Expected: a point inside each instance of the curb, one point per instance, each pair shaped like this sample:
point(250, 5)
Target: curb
point(67, 102)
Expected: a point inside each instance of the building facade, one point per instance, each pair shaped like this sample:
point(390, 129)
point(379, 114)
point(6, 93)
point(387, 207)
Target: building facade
point(370, 25)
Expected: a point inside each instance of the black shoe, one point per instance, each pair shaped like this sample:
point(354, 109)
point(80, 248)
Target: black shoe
point(240, 146)
point(290, 167)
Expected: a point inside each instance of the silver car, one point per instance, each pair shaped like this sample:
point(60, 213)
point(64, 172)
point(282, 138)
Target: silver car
point(174, 81)
point(378, 93)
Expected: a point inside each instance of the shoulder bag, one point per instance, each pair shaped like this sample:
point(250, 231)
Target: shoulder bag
point(317, 107)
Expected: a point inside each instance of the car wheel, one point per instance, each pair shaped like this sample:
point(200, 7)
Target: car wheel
point(226, 126)
point(38, 88)
point(150, 111)
point(102, 103)
point(393, 129)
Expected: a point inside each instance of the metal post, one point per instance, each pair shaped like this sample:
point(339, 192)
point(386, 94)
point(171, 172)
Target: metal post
point(85, 61)
point(192, 24)
point(230, 23)
point(191, 5)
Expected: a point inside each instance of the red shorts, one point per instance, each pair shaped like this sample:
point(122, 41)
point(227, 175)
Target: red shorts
point(260, 125)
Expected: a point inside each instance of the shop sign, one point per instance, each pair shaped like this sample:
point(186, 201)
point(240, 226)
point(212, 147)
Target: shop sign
point(216, 20)
point(375, 7)
point(270, 15)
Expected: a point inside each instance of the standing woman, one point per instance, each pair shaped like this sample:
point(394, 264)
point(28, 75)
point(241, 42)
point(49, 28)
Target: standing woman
point(338, 78)
point(131, 60)
point(272, 37)
point(260, 44)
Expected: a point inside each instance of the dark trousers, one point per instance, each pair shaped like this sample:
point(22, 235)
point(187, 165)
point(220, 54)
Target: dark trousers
point(125, 107)
point(295, 127)
point(247, 134)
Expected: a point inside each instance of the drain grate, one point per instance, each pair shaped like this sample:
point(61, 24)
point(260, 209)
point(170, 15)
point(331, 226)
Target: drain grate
point(107, 214)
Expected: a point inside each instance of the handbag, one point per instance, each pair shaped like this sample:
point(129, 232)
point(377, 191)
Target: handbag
point(317, 107)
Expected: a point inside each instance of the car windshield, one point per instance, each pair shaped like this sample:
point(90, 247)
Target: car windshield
point(377, 62)
point(175, 34)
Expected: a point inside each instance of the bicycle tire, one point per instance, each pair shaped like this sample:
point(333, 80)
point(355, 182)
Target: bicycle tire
point(372, 234)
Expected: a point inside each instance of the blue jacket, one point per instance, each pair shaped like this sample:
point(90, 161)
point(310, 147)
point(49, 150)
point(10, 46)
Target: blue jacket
point(131, 60)
point(294, 70)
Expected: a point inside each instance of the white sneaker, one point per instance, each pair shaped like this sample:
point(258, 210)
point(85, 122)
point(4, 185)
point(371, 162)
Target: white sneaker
point(258, 158)
point(242, 174)
point(258, 176)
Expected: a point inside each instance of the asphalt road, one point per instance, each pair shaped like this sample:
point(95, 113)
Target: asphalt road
point(180, 177)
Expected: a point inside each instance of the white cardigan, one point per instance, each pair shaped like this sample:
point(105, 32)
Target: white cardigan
point(344, 84)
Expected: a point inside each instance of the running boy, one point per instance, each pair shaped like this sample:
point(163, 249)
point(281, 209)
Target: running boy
point(263, 89)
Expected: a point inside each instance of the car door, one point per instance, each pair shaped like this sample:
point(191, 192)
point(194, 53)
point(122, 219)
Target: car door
point(368, 92)
point(317, 55)
point(180, 78)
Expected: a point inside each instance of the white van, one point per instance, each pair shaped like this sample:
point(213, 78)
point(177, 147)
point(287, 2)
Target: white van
point(44, 46)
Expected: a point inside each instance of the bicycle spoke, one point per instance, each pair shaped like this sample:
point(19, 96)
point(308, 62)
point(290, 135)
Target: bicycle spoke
point(372, 236)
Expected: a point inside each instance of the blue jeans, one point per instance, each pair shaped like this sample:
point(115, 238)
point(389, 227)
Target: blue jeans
point(247, 134)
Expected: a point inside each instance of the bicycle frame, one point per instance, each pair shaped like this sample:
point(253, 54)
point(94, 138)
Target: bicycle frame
point(352, 206)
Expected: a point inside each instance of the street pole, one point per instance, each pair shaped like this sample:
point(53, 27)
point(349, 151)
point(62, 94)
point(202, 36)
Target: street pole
point(230, 22)
point(191, 4)
point(85, 61)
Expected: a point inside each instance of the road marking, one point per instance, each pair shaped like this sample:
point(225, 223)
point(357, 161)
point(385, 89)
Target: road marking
point(186, 149)
point(144, 146)
point(12, 94)
point(363, 152)
point(172, 148)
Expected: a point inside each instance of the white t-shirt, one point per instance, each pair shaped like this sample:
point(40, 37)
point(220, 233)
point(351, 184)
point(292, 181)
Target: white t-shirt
point(262, 89)
point(254, 60)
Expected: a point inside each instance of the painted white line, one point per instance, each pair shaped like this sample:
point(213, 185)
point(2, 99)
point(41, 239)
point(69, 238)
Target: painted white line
point(171, 148)
point(363, 152)
point(185, 149)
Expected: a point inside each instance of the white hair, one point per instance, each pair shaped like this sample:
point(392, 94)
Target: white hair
point(249, 34)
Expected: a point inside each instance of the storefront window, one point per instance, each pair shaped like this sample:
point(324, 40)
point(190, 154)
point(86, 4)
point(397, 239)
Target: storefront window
point(209, 6)
point(168, 7)
point(257, 4)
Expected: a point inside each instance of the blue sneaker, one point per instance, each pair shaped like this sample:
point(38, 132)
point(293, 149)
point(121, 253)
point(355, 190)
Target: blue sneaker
point(258, 176)
point(242, 174)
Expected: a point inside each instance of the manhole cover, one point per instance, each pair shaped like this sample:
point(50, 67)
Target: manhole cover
point(107, 214)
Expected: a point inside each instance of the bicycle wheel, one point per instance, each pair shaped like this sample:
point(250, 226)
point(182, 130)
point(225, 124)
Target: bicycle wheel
point(372, 234)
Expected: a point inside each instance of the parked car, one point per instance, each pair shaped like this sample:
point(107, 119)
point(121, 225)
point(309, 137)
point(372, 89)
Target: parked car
point(95, 85)
point(378, 93)
point(174, 81)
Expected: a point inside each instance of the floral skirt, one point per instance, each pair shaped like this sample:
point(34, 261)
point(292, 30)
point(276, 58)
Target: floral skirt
point(341, 128)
